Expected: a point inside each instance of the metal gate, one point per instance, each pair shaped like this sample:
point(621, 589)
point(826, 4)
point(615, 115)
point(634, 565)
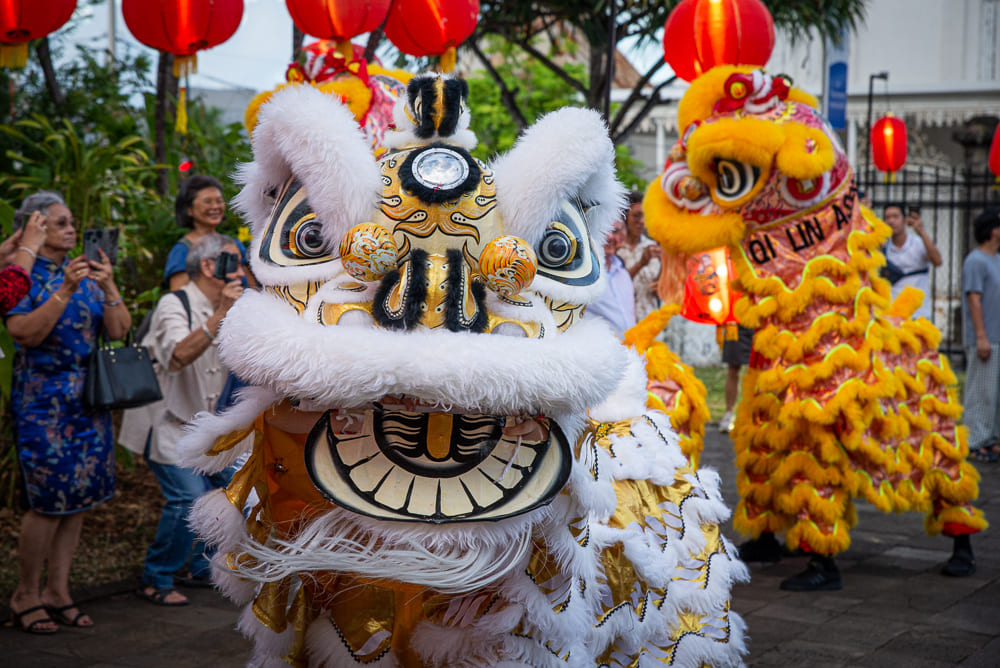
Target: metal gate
point(949, 199)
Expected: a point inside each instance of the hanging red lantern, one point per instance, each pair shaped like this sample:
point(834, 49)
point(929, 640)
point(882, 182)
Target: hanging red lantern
point(708, 298)
point(889, 144)
point(182, 27)
point(432, 27)
point(700, 34)
point(337, 20)
point(995, 154)
point(23, 20)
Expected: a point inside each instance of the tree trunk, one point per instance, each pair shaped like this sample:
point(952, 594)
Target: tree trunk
point(51, 83)
point(166, 96)
point(297, 38)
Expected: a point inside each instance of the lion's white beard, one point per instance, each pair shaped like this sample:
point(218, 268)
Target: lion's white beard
point(453, 559)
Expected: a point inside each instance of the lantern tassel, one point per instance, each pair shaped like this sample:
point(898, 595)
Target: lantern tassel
point(448, 60)
point(181, 120)
point(13, 55)
point(346, 51)
point(185, 65)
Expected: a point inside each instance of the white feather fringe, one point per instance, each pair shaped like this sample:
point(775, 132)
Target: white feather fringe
point(205, 428)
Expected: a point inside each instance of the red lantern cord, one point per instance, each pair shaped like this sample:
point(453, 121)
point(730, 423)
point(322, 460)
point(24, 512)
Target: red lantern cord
point(700, 34)
point(23, 20)
point(888, 139)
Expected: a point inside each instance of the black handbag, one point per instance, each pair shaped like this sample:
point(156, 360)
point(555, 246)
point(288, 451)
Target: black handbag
point(120, 377)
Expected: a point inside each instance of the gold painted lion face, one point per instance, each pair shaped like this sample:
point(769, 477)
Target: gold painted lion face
point(435, 299)
point(754, 152)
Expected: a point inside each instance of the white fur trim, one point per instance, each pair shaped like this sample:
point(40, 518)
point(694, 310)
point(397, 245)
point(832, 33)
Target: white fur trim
point(217, 521)
point(629, 398)
point(567, 153)
point(205, 428)
point(450, 558)
point(265, 342)
point(268, 647)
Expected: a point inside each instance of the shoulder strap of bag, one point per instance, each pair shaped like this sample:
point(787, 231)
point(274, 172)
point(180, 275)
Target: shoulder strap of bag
point(180, 294)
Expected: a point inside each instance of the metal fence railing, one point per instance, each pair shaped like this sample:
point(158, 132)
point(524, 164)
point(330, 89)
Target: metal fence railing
point(949, 200)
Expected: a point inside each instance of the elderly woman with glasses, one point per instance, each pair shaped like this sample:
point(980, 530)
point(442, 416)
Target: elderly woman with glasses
point(66, 452)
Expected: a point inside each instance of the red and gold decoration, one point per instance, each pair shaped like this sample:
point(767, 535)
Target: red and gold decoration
point(368, 252)
point(707, 296)
point(338, 20)
point(432, 27)
point(889, 144)
point(23, 20)
point(846, 396)
point(507, 264)
point(369, 90)
point(700, 34)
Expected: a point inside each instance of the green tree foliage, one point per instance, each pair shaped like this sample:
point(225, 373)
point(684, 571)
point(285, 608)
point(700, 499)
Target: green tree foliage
point(540, 91)
point(586, 27)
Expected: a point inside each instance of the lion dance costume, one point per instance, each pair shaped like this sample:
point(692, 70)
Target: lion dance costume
point(449, 467)
point(845, 396)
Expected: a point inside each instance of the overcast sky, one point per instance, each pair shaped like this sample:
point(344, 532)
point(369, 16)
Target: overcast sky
point(254, 57)
point(257, 54)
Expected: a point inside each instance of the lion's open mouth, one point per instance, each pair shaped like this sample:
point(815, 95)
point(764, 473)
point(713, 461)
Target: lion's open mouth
point(434, 466)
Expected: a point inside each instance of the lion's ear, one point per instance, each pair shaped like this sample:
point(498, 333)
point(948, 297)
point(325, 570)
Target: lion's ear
point(312, 179)
point(541, 172)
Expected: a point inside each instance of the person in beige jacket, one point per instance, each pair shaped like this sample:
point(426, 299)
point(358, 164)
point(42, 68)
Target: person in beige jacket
point(182, 340)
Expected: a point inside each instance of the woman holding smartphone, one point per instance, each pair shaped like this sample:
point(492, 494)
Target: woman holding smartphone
point(66, 453)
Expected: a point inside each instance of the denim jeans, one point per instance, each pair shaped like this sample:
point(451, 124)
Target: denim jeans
point(175, 543)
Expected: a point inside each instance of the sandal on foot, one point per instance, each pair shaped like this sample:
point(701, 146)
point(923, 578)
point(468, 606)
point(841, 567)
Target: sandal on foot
point(159, 596)
point(62, 615)
point(31, 627)
point(982, 456)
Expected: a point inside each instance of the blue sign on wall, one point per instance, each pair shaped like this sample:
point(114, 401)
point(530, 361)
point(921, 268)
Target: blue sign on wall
point(835, 81)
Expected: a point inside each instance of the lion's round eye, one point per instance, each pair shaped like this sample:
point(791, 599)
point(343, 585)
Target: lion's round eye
point(556, 248)
point(735, 179)
point(307, 238)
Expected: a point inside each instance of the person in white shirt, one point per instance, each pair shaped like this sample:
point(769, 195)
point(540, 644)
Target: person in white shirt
point(913, 254)
point(617, 305)
point(182, 340)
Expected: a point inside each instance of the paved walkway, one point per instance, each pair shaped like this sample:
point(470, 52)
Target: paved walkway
point(895, 609)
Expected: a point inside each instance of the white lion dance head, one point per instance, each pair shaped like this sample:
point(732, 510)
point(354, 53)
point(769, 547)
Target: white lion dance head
point(477, 482)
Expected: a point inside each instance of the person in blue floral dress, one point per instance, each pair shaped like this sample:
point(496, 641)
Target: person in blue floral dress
point(66, 453)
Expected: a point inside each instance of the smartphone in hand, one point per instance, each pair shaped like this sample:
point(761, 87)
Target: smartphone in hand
point(106, 239)
point(225, 264)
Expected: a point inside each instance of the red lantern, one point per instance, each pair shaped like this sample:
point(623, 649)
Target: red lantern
point(889, 143)
point(337, 20)
point(431, 27)
point(708, 298)
point(700, 34)
point(23, 20)
point(182, 27)
point(995, 154)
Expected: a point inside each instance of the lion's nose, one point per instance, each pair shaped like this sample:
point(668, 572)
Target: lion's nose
point(432, 290)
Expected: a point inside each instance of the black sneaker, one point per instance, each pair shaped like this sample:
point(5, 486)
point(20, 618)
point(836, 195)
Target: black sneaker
point(764, 548)
point(962, 563)
point(822, 574)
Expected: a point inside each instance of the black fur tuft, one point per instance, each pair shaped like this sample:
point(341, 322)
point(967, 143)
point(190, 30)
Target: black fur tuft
point(422, 89)
point(414, 294)
point(456, 292)
point(455, 92)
